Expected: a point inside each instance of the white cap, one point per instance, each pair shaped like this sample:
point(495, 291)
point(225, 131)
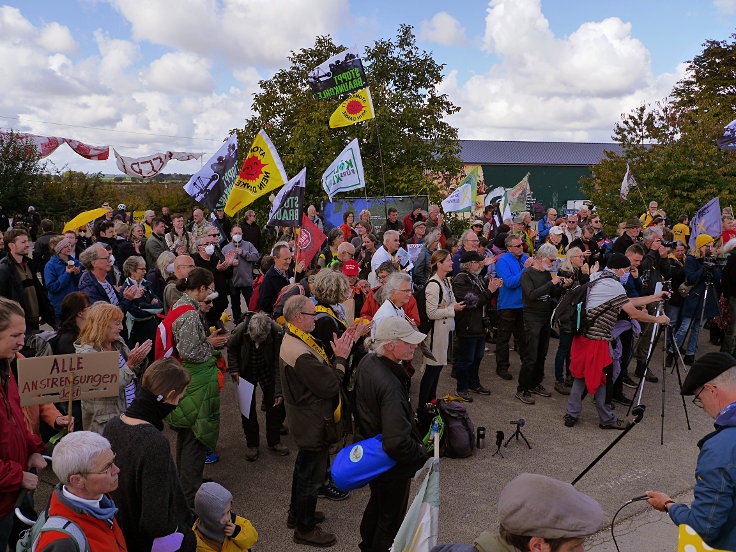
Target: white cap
point(398, 327)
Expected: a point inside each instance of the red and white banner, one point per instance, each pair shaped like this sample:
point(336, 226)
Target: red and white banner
point(44, 145)
point(150, 165)
point(96, 153)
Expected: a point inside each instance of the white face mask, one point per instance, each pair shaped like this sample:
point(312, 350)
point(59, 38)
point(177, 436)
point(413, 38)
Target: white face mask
point(209, 249)
point(212, 296)
point(237, 238)
point(112, 259)
point(170, 267)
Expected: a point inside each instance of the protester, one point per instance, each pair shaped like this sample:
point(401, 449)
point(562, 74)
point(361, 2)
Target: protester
point(244, 256)
point(161, 273)
point(95, 282)
point(328, 256)
point(223, 225)
point(377, 296)
point(179, 240)
point(314, 217)
point(152, 504)
point(389, 251)
point(217, 528)
point(393, 223)
point(61, 273)
point(198, 223)
point(365, 217)
point(546, 224)
point(712, 514)
point(632, 230)
point(85, 465)
point(141, 317)
point(42, 252)
point(395, 293)
point(423, 265)
point(274, 279)
point(210, 257)
point(195, 421)
point(469, 241)
point(648, 216)
point(362, 228)
point(156, 244)
point(435, 220)
point(19, 448)
point(183, 265)
point(311, 390)
point(589, 247)
point(252, 354)
point(348, 220)
point(383, 408)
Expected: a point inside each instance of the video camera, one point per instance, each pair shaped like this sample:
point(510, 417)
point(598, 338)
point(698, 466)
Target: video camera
point(668, 244)
point(711, 262)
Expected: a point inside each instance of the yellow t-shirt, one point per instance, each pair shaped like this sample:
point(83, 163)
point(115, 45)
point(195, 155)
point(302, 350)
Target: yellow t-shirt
point(681, 232)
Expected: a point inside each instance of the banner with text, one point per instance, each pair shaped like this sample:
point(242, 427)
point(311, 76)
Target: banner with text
point(150, 165)
point(346, 171)
point(210, 183)
point(309, 241)
point(341, 73)
point(289, 203)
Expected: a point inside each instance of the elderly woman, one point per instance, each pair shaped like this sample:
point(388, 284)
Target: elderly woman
point(62, 273)
point(441, 308)
point(95, 282)
point(101, 332)
point(161, 274)
point(140, 318)
point(329, 289)
point(575, 267)
point(365, 216)
point(423, 265)
point(151, 502)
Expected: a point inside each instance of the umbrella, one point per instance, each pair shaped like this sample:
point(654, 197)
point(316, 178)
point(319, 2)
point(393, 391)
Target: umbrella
point(83, 218)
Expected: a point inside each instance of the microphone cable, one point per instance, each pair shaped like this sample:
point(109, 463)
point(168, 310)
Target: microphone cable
point(613, 521)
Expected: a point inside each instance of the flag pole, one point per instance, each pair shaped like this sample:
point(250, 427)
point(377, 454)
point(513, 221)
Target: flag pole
point(380, 159)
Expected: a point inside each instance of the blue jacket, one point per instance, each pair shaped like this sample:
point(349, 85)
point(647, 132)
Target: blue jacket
point(59, 282)
point(89, 285)
point(456, 261)
point(695, 276)
point(509, 268)
point(543, 227)
point(713, 511)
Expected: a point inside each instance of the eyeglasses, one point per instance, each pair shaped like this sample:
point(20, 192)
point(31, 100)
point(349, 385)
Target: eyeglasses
point(696, 399)
point(207, 301)
point(105, 470)
point(308, 313)
point(214, 235)
point(405, 290)
point(517, 245)
point(141, 268)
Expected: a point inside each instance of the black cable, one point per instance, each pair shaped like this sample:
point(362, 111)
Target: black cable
point(613, 521)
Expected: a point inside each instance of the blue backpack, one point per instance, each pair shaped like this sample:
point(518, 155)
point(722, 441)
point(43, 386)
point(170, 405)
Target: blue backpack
point(360, 463)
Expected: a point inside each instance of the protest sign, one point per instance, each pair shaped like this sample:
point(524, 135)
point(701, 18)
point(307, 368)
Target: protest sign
point(414, 250)
point(341, 73)
point(57, 378)
point(706, 221)
point(356, 108)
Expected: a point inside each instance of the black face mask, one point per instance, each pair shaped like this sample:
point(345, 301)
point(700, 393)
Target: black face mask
point(150, 408)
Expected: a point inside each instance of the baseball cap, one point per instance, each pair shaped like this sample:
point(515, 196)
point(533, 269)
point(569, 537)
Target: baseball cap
point(556, 230)
point(398, 327)
point(477, 223)
point(350, 268)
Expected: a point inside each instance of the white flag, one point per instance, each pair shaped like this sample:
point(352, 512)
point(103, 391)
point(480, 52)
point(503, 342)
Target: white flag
point(461, 199)
point(150, 165)
point(627, 183)
point(346, 171)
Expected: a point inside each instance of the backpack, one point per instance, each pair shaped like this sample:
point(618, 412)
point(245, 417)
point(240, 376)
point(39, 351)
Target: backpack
point(28, 539)
point(165, 346)
point(425, 324)
point(570, 315)
point(253, 303)
point(285, 293)
point(39, 344)
point(459, 438)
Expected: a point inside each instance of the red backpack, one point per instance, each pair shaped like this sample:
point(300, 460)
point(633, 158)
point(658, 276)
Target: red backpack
point(253, 303)
point(165, 346)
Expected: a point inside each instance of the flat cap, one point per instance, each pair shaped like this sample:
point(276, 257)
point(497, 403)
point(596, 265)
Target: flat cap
point(705, 369)
point(534, 505)
point(632, 222)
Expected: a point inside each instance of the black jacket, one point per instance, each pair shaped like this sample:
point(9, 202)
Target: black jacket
point(653, 269)
point(41, 250)
point(12, 287)
point(270, 287)
point(252, 234)
point(469, 288)
point(622, 243)
point(239, 349)
point(382, 406)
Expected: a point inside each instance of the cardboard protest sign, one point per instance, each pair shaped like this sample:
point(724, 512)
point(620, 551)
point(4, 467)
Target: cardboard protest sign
point(51, 378)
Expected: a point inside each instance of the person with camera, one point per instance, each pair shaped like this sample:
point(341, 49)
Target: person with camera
point(703, 273)
point(677, 278)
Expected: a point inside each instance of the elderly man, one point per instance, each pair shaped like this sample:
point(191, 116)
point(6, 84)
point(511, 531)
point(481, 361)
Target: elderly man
point(435, 220)
point(85, 465)
point(245, 255)
point(383, 408)
point(647, 217)
point(183, 265)
point(313, 216)
point(148, 217)
point(546, 223)
point(345, 252)
point(537, 513)
point(198, 223)
point(632, 229)
point(253, 353)
point(156, 243)
point(712, 380)
point(389, 251)
point(311, 390)
point(468, 242)
point(572, 230)
point(275, 278)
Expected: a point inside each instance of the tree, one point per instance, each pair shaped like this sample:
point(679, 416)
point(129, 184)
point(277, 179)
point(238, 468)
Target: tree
point(409, 133)
point(671, 145)
point(21, 171)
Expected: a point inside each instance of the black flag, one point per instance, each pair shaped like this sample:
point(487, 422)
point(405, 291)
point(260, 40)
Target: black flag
point(289, 203)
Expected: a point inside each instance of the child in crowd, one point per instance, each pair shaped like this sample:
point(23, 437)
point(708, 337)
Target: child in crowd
point(218, 529)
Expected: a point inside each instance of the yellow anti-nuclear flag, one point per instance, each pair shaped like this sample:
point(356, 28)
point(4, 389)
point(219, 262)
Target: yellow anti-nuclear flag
point(262, 171)
point(690, 541)
point(358, 107)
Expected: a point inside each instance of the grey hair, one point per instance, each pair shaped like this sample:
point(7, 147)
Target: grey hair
point(138, 225)
point(149, 213)
point(346, 247)
point(259, 327)
point(294, 305)
point(390, 234)
point(131, 263)
point(546, 251)
point(465, 235)
point(330, 287)
point(432, 237)
point(163, 261)
point(652, 232)
point(725, 379)
point(394, 280)
point(76, 452)
point(432, 208)
point(511, 238)
point(92, 253)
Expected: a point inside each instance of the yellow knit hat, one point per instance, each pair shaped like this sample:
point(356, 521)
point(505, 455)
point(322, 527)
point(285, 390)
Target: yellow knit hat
point(702, 240)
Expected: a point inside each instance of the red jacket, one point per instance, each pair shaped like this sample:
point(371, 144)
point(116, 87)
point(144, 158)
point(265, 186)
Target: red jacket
point(16, 445)
point(101, 535)
point(370, 306)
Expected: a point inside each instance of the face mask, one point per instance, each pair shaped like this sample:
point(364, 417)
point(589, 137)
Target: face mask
point(112, 259)
point(170, 267)
point(209, 249)
point(237, 238)
point(212, 296)
point(625, 278)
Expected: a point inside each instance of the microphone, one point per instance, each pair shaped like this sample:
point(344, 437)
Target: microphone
point(521, 422)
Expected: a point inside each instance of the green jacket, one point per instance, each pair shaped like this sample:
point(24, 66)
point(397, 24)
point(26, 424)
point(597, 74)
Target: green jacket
point(199, 409)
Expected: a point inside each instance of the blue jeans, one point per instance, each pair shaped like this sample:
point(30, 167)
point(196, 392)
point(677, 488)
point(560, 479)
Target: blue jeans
point(575, 402)
point(562, 358)
point(310, 470)
point(681, 333)
point(467, 361)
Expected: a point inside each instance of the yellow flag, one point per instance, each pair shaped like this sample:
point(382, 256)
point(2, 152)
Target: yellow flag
point(690, 541)
point(262, 171)
point(358, 107)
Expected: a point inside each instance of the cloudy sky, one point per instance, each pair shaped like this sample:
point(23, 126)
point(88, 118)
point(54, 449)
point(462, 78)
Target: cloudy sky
point(158, 75)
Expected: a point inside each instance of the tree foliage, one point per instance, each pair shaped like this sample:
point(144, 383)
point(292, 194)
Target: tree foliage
point(409, 133)
point(671, 145)
point(21, 172)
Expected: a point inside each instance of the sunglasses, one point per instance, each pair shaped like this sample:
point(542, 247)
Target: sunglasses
point(207, 301)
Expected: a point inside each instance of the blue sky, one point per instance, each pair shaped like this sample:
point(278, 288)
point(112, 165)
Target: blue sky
point(519, 69)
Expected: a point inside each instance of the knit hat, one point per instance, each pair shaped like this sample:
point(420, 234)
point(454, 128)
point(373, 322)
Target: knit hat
point(618, 260)
point(703, 239)
point(62, 244)
point(209, 504)
point(706, 368)
point(534, 505)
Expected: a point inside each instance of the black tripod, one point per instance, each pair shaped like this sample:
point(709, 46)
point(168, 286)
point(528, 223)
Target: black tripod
point(517, 434)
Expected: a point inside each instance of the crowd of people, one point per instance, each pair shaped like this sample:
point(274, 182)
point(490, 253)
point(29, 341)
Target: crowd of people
point(335, 346)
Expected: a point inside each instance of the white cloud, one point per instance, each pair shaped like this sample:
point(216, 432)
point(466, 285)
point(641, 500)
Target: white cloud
point(443, 29)
point(57, 38)
point(180, 72)
point(554, 88)
point(726, 7)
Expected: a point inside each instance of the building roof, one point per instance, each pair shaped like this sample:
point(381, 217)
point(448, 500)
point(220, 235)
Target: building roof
point(500, 152)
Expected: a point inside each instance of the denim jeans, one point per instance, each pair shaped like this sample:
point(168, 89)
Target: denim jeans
point(467, 361)
point(575, 402)
point(310, 470)
point(681, 333)
point(562, 358)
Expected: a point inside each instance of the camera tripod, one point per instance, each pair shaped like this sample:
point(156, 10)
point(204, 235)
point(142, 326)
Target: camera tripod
point(518, 433)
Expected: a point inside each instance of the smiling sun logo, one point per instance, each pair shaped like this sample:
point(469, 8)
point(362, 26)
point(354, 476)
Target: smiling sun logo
point(252, 169)
point(354, 107)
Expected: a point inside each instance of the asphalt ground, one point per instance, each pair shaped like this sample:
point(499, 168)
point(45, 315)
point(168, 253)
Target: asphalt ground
point(470, 487)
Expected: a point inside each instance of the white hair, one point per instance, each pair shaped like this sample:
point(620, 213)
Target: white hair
point(390, 234)
point(726, 379)
point(76, 452)
point(546, 251)
point(393, 282)
point(467, 233)
point(259, 327)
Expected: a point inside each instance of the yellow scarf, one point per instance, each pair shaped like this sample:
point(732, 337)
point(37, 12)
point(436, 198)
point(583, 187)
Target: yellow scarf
point(312, 344)
point(328, 310)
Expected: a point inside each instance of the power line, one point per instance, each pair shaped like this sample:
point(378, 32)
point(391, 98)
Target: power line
point(112, 130)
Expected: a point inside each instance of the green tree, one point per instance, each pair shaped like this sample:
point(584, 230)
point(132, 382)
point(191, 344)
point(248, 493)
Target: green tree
point(671, 145)
point(21, 171)
point(409, 133)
